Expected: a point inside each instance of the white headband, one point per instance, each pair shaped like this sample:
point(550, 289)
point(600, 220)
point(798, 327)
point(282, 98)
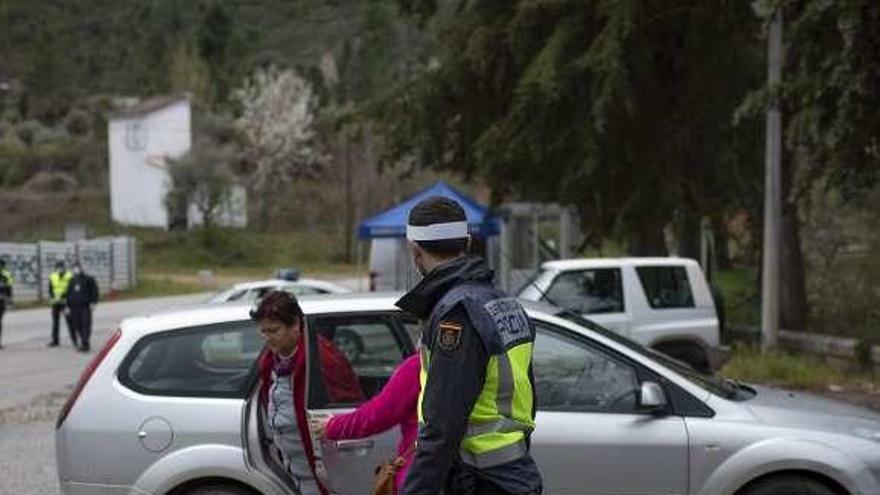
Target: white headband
point(437, 231)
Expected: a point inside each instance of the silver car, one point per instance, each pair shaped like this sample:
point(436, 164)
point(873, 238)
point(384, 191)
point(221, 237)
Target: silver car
point(168, 407)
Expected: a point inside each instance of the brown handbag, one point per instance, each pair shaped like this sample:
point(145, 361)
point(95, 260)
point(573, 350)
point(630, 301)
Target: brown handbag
point(385, 482)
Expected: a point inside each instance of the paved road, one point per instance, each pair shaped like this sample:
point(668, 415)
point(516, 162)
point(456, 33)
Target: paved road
point(35, 381)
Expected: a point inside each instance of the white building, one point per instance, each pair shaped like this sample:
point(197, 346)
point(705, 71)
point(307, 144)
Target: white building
point(142, 138)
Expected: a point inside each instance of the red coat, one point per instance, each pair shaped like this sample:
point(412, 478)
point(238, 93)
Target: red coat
point(340, 380)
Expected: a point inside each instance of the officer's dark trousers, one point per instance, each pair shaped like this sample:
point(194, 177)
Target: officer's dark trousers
point(465, 482)
point(81, 317)
point(2, 310)
point(57, 312)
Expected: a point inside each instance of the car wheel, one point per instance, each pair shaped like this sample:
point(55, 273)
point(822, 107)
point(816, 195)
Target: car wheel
point(219, 489)
point(350, 344)
point(688, 353)
point(788, 485)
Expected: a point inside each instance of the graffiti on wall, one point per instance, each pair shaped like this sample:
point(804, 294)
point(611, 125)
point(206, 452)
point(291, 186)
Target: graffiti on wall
point(31, 264)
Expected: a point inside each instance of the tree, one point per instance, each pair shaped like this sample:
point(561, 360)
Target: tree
point(623, 109)
point(830, 88)
point(277, 123)
point(202, 178)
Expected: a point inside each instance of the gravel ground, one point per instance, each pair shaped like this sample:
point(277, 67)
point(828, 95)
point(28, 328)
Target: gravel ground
point(27, 447)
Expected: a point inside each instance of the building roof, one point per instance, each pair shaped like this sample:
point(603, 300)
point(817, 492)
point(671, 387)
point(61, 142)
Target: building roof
point(149, 105)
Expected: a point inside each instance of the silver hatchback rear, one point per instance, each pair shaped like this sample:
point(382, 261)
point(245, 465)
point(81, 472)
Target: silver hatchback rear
point(163, 408)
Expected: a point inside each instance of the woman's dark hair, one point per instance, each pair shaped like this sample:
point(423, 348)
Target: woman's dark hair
point(439, 209)
point(279, 306)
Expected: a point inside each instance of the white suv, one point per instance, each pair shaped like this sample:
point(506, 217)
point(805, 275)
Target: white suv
point(664, 303)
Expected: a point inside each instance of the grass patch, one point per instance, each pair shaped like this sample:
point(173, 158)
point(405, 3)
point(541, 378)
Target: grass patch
point(158, 286)
point(239, 252)
point(787, 370)
point(740, 294)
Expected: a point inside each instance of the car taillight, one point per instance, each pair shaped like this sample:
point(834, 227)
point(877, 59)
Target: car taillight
point(86, 375)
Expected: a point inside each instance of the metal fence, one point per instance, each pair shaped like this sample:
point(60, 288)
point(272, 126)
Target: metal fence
point(111, 260)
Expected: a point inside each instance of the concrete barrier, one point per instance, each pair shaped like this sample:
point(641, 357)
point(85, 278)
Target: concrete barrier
point(111, 260)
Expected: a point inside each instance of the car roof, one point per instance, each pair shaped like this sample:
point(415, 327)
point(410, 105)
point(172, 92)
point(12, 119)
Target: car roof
point(276, 282)
point(197, 315)
point(582, 263)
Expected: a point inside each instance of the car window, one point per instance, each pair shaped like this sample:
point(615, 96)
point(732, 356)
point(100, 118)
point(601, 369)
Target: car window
point(711, 383)
point(572, 376)
point(588, 291)
point(373, 345)
point(235, 295)
point(666, 286)
point(209, 361)
point(413, 328)
point(301, 290)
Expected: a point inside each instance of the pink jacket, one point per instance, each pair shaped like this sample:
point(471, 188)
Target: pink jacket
point(395, 405)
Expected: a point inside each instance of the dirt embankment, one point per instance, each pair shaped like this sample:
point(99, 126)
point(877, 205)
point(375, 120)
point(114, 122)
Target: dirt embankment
point(25, 212)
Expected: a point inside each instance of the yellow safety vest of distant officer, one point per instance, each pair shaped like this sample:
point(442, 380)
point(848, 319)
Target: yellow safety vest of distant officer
point(6, 283)
point(477, 404)
point(59, 282)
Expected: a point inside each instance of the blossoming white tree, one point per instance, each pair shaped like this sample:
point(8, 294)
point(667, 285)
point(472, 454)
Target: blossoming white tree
point(277, 123)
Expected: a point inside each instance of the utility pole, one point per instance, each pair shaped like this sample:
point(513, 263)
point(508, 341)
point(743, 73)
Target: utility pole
point(772, 189)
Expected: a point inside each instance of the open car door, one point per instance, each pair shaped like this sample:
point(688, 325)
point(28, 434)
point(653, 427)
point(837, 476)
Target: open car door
point(373, 344)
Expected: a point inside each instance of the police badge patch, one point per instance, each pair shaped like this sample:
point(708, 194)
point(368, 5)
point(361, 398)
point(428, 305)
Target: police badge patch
point(449, 337)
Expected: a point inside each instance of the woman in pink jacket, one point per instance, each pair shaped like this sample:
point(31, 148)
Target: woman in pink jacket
point(394, 406)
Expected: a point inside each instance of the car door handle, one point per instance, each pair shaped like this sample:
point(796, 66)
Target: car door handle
point(353, 445)
point(142, 434)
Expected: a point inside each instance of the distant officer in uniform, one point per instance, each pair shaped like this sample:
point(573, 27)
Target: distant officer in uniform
point(82, 296)
point(58, 282)
point(6, 282)
point(477, 405)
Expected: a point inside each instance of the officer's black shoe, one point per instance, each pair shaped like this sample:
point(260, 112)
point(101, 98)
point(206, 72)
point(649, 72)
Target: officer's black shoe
point(85, 348)
point(52, 344)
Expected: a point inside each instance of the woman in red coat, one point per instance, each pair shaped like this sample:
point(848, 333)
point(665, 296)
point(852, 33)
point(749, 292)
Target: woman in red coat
point(283, 385)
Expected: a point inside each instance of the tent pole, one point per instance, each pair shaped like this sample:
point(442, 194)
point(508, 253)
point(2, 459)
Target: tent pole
point(357, 264)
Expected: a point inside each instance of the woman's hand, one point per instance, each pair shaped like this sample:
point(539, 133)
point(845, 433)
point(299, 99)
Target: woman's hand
point(318, 425)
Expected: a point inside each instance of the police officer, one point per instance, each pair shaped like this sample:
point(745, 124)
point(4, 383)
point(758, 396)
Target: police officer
point(82, 296)
point(6, 282)
point(59, 280)
point(477, 405)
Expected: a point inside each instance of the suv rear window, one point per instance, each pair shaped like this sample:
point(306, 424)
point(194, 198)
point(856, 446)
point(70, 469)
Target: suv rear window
point(208, 361)
point(666, 286)
point(593, 291)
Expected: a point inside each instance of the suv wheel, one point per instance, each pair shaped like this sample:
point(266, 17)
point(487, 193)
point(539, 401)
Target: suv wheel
point(788, 485)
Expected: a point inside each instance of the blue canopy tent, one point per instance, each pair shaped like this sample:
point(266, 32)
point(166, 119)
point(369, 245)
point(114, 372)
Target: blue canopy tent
point(390, 267)
point(392, 222)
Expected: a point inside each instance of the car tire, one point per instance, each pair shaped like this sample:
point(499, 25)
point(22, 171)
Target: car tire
point(219, 489)
point(788, 485)
point(688, 353)
point(349, 343)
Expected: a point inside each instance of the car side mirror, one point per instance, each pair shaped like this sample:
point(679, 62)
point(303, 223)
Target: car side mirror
point(652, 399)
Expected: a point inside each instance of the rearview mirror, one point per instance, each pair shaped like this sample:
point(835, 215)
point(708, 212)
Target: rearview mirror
point(653, 399)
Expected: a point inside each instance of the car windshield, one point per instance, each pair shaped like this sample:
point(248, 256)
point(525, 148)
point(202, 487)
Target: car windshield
point(713, 384)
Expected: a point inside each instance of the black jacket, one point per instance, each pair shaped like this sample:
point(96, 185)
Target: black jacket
point(455, 379)
point(82, 291)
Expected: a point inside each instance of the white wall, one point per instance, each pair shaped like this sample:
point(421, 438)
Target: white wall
point(138, 177)
point(231, 214)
